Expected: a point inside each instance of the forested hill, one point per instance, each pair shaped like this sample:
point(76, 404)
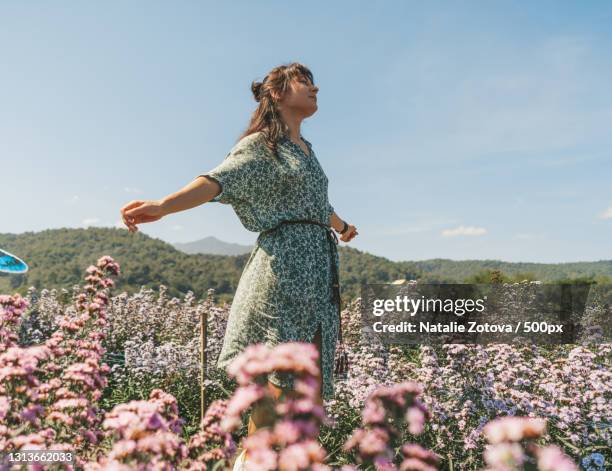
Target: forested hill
point(58, 258)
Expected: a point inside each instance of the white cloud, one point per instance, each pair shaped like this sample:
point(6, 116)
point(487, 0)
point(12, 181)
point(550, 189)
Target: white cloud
point(418, 226)
point(91, 222)
point(128, 189)
point(177, 227)
point(119, 224)
point(607, 214)
point(464, 231)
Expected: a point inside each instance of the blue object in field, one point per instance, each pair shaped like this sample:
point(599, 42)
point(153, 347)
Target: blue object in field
point(11, 264)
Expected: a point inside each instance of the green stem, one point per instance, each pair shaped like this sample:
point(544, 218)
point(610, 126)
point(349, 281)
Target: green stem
point(577, 450)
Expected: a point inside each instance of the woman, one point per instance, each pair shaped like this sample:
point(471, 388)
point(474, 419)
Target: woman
point(286, 291)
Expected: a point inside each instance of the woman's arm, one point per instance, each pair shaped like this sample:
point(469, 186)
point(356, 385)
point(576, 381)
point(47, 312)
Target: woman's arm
point(200, 191)
point(338, 225)
point(336, 222)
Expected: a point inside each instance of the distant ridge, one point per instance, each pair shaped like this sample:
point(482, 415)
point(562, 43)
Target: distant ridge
point(212, 245)
point(59, 257)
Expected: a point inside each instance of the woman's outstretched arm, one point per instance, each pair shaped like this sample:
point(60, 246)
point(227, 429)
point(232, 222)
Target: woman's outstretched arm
point(200, 191)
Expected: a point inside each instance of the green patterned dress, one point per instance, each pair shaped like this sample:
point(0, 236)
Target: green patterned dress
point(284, 293)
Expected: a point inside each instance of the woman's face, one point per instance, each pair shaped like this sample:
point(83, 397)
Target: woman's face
point(301, 97)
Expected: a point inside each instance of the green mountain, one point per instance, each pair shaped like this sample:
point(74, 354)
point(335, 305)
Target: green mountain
point(212, 245)
point(58, 259)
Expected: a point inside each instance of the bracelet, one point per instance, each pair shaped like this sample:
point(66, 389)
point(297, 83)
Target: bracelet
point(344, 228)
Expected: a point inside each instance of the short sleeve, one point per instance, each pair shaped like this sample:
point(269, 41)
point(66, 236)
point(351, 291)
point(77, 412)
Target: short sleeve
point(330, 210)
point(239, 176)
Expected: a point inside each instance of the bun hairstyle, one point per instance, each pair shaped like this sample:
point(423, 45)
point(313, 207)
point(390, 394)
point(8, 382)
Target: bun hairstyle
point(256, 89)
point(266, 118)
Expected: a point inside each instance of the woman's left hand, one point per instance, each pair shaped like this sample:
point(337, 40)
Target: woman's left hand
point(349, 234)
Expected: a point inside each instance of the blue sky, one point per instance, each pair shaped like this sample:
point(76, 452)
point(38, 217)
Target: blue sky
point(461, 130)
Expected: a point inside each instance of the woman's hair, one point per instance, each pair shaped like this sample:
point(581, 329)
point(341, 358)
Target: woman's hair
point(266, 118)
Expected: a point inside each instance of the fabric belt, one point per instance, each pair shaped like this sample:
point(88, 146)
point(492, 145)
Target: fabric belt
point(333, 242)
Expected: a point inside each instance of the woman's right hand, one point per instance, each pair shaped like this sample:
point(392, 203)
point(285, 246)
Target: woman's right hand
point(349, 234)
point(139, 211)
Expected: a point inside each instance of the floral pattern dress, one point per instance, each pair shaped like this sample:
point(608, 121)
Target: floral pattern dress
point(284, 293)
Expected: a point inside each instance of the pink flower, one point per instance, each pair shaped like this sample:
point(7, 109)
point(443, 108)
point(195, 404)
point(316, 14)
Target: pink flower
point(242, 399)
point(122, 449)
point(261, 459)
point(354, 439)
point(32, 412)
point(416, 420)
point(551, 458)
point(307, 386)
point(287, 431)
point(384, 463)
point(155, 421)
point(5, 407)
point(107, 282)
point(29, 441)
point(70, 403)
point(263, 438)
point(158, 443)
point(373, 413)
point(61, 417)
point(514, 429)
point(107, 263)
point(91, 269)
point(413, 464)
point(374, 442)
point(418, 452)
point(510, 455)
point(293, 458)
point(93, 307)
point(91, 436)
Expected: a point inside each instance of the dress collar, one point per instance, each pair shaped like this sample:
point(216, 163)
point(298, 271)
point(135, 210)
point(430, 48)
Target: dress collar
point(286, 138)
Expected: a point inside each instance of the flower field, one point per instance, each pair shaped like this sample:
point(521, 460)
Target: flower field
point(116, 380)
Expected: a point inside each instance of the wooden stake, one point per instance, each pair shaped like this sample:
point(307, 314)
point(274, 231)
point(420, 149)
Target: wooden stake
point(203, 341)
